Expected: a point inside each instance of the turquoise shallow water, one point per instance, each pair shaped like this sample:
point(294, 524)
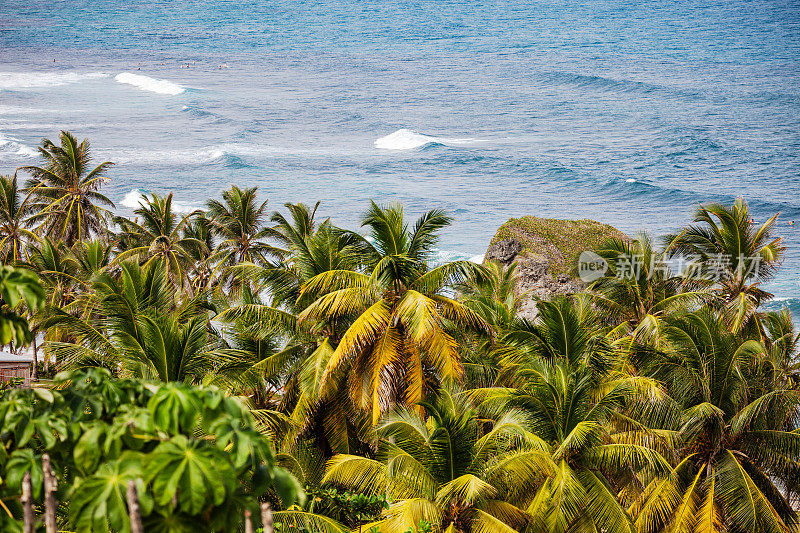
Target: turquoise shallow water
point(625, 112)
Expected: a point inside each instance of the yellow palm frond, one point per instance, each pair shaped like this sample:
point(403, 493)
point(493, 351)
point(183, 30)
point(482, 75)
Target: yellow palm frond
point(360, 336)
point(342, 303)
point(386, 361)
point(424, 325)
point(467, 489)
point(624, 456)
point(407, 514)
point(483, 522)
point(334, 280)
point(708, 517)
point(409, 478)
point(295, 521)
point(358, 473)
point(685, 514)
point(602, 506)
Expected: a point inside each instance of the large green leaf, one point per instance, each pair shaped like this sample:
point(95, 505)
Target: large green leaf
point(175, 408)
point(199, 473)
point(98, 503)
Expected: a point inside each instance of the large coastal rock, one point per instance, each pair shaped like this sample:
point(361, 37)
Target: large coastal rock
point(546, 252)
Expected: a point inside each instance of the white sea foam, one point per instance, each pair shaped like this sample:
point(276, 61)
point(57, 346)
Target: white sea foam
point(477, 259)
point(20, 110)
point(136, 198)
point(405, 139)
point(33, 80)
point(188, 156)
point(205, 155)
point(12, 146)
point(146, 83)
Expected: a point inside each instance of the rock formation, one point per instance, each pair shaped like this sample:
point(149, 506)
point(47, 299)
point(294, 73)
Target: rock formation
point(546, 252)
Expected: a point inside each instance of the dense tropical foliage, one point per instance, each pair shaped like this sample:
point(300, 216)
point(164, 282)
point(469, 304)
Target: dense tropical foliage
point(233, 355)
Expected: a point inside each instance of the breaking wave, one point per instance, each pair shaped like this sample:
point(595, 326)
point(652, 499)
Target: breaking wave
point(405, 139)
point(136, 198)
point(12, 146)
point(146, 83)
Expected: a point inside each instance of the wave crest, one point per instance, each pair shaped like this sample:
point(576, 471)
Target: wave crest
point(12, 146)
point(405, 139)
point(137, 198)
point(146, 83)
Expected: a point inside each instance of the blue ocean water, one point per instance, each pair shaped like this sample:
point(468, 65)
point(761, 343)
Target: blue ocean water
point(622, 111)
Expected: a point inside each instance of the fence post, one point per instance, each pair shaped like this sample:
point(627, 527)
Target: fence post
point(50, 487)
point(266, 518)
point(27, 503)
point(133, 508)
point(248, 523)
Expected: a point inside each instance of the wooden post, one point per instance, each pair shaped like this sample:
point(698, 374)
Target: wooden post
point(27, 503)
point(50, 487)
point(248, 523)
point(266, 518)
point(35, 373)
point(133, 508)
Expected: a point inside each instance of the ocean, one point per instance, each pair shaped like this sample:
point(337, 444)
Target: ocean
point(626, 112)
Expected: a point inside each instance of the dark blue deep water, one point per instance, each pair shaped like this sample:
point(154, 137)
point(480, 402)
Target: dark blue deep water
point(626, 112)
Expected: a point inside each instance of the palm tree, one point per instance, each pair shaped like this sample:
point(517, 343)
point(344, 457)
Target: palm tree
point(639, 289)
point(733, 445)
point(452, 470)
point(239, 224)
point(783, 349)
point(14, 210)
point(67, 203)
point(398, 344)
point(58, 269)
point(492, 296)
point(562, 378)
point(732, 252)
point(141, 329)
point(158, 238)
point(200, 273)
point(92, 257)
point(309, 250)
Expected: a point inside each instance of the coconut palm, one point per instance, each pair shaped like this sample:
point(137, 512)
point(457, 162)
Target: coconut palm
point(200, 274)
point(733, 445)
point(238, 222)
point(562, 379)
point(639, 289)
point(737, 255)
point(493, 298)
point(330, 419)
point(398, 344)
point(140, 329)
point(158, 238)
point(14, 211)
point(452, 470)
point(92, 257)
point(58, 270)
point(783, 349)
point(66, 203)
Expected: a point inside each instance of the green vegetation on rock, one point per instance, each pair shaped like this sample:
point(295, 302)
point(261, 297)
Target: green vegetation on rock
point(561, 241)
